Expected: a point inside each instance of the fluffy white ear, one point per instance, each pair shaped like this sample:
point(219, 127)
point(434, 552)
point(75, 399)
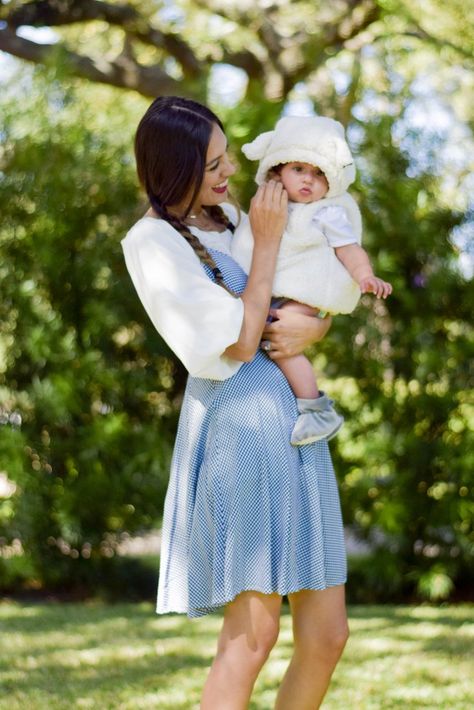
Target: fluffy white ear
point(258, 147)
point(340, 129)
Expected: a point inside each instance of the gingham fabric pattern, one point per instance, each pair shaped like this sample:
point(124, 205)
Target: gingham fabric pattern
point(244, 509)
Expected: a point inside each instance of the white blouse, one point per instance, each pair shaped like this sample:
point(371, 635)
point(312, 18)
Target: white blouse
point(196, 317)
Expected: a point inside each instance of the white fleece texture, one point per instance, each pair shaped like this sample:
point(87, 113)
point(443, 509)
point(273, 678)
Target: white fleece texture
point(307, 268)
point(315, 140)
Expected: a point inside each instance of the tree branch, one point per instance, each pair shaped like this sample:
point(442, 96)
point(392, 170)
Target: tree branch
point(424, 36)
point(293, 58)
point(56, 13)
point(53, 13)
point(242, 60)
point(123, 72)
point(234, 12)
point(334, 35)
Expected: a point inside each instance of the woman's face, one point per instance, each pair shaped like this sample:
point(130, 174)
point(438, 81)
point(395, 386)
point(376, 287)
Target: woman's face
point(218, 169)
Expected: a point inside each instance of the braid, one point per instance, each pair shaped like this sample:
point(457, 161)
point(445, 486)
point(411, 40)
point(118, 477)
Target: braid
point(219, 216)
point(198, 248)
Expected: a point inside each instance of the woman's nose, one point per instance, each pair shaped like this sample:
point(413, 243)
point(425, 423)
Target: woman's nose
point(229, 167)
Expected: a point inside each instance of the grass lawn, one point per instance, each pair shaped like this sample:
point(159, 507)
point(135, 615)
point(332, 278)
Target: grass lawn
point(123, 656)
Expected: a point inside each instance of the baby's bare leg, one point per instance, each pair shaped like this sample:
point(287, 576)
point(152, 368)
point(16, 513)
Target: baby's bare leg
point(298, 369)
point(317, 418)
point(299, 373)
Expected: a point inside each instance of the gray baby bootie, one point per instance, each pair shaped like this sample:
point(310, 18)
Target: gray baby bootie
point(317, 420)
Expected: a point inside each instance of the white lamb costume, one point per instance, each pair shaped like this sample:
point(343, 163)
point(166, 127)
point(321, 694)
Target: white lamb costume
point(307, 268)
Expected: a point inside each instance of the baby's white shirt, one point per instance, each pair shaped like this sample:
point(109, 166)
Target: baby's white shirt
point(334, 223)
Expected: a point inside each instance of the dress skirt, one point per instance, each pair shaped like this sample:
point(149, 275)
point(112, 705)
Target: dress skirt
point(244, 509)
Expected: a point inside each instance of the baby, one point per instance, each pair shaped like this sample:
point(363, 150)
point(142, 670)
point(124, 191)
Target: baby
point(321, 267)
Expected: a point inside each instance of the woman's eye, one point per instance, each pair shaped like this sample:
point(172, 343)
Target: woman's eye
point(214, 167)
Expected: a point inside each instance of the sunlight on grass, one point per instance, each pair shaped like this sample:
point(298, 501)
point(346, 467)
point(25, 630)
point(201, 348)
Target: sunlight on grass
point(124, 657)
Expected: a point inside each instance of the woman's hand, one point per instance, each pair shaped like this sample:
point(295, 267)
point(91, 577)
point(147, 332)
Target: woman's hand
point(268, 213)
point(293, 332)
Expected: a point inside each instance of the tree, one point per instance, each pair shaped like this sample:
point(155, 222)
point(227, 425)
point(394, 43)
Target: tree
point(407, 445)
point(99, 391)
point(155, 49)
point(95, 438)
point(277, 45)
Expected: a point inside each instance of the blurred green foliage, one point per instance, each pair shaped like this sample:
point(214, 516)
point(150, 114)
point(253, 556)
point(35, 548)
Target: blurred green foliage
point(92, 453)
point(407, 451)
point(99, 392)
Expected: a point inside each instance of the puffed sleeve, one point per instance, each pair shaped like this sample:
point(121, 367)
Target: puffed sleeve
point(335, 224)
point(196, 317)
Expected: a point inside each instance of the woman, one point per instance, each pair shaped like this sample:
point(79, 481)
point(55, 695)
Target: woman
point(248, 518)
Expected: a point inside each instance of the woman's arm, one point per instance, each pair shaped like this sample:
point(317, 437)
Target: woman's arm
point(293, 332)
point(268, 215)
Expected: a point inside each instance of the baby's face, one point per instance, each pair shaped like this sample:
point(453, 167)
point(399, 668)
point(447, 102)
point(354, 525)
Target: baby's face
point(303, 182)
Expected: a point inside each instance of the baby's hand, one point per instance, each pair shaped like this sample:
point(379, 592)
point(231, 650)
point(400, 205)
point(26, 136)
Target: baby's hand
point(372, 284)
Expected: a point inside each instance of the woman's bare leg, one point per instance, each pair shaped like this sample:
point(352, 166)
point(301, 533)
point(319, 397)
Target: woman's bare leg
point(249, 632)
point(320, 633)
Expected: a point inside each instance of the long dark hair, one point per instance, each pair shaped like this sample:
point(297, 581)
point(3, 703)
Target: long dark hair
point(171, 145)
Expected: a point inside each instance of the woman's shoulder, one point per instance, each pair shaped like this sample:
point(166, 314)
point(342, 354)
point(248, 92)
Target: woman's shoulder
point(160, 233)
point(146, 227)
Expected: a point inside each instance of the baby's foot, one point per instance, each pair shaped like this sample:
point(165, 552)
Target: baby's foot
point(317, 420)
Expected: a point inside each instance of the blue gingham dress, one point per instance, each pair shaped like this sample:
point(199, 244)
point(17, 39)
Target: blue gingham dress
point(246, 510)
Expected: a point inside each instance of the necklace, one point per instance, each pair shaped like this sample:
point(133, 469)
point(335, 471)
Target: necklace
point(203, 221)
point(196, 216)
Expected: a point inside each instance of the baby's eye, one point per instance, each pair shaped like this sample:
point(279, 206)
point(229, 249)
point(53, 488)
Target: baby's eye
point(319, 173)
point(297, 168)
